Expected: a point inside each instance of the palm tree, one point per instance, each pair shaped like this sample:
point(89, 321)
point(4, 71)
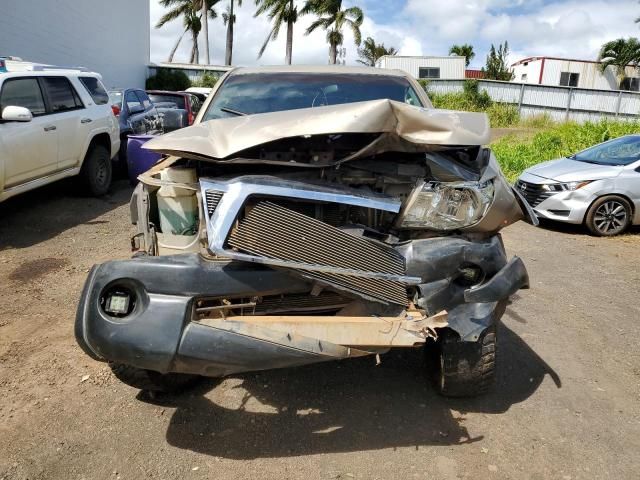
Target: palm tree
point(279, 12)
point(333, 19)
point(619, 54)
point(229, 19)
point(372, 51)
point(465, 51)
point(190, 11)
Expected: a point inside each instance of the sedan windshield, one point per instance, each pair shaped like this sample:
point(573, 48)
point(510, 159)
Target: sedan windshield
point(246, 94)
point(620, 151)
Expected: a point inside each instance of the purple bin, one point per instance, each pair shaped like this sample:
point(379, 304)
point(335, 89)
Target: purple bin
point(139, 160)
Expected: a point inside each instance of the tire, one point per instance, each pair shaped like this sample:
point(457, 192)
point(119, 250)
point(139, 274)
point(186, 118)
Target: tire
point(96, 172)
point(608, 216)
point(463, 369)
point(153, 381)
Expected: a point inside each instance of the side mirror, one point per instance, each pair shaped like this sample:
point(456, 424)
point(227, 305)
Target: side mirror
point(136, 109)
point(16, 114)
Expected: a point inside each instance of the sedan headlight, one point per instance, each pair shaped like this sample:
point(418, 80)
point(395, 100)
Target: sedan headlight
point(575, 185)
point(447, 206)
point(563, 187)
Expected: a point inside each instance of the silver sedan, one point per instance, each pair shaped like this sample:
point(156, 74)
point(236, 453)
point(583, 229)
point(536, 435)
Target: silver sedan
point(599, 187)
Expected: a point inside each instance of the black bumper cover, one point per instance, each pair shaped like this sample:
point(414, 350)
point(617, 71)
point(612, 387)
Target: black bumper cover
point(159, 334)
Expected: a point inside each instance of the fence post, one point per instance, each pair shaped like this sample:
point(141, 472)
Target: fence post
point(566, 115)
point(521, 97)
point(618, 103)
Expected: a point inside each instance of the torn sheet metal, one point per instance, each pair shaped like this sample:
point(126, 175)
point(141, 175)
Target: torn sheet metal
point(403, 128)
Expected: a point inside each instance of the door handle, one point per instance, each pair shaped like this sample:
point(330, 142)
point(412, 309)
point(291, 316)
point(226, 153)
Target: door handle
point(86, 120)
point(50, 128)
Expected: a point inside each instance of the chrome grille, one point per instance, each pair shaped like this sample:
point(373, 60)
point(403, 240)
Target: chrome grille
point(533, 193)
point(275, 232)
point(212, 198)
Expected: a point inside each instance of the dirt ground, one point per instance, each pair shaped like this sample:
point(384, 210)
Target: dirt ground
point(566, 404)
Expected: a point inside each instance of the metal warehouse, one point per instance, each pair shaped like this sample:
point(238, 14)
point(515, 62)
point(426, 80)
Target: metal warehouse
point(572, 73)
point(450, 68)
point(111, 38)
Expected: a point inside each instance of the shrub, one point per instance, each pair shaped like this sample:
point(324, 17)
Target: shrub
point(471, 91)
point(166, 79)
point(471, 100)
point(542, 120)
point(503, 115)
point(208, 80)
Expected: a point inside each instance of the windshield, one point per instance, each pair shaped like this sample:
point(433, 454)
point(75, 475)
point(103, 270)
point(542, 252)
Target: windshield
point(177, 100)
point(620, 151)
point(274, 92)
point(115, 97)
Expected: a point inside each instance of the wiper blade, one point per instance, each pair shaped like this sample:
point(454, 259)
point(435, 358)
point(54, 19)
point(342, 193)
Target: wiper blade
point(231, 110)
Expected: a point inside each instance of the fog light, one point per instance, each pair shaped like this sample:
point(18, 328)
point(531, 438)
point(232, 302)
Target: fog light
point(118, 302)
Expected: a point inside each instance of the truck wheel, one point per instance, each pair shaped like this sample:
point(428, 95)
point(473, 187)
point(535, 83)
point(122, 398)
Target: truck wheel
point(463, 369)
point(96, 171)
point(608, 216)
point(152, 381)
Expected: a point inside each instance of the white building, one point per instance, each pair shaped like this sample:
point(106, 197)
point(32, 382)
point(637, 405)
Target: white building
point(108, 37)
point(572, 73)
point(427, 68)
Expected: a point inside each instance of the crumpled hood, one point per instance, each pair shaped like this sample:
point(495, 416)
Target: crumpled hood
point(406, 128)
point(567, 170)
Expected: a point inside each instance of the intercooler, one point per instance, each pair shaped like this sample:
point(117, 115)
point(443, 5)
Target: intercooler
point(276, 232)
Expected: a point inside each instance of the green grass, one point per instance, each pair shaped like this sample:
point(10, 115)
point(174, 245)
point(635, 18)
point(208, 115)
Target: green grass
point(515, 153)
point(500, 114)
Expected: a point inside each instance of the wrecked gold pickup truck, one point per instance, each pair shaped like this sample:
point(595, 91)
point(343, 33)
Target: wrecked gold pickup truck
point(311, 214)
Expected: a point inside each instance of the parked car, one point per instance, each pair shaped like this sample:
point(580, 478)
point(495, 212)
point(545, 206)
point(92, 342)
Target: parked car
point(55, 123)
point(598, 187)
point(347, 218)
point(201, 92)
point(137, 115)
point(186, 101)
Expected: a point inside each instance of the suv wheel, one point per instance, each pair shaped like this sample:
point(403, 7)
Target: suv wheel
point(463, 369)
point(608, 216)
point(96, 171)
point(152, 381)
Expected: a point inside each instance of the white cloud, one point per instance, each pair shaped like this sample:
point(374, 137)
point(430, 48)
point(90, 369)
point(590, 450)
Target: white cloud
point(571, 28)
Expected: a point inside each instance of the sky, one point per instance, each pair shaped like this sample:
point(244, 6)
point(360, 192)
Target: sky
point(562, 28)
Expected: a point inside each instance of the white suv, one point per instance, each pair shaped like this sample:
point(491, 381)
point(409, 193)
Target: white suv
point(55, 123)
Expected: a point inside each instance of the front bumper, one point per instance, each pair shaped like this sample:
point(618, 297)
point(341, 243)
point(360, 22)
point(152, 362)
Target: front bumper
point(566, 206)
point(160, 334)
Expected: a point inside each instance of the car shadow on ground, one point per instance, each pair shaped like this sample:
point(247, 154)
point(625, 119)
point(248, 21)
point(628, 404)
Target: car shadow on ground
point(574, 229)
point(45, 212)
point(347, 406)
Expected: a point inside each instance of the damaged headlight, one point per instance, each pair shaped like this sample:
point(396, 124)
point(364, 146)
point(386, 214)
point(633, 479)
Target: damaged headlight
point(447, 206)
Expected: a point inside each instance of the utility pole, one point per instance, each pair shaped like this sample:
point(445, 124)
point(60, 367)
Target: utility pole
point(205, 30)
